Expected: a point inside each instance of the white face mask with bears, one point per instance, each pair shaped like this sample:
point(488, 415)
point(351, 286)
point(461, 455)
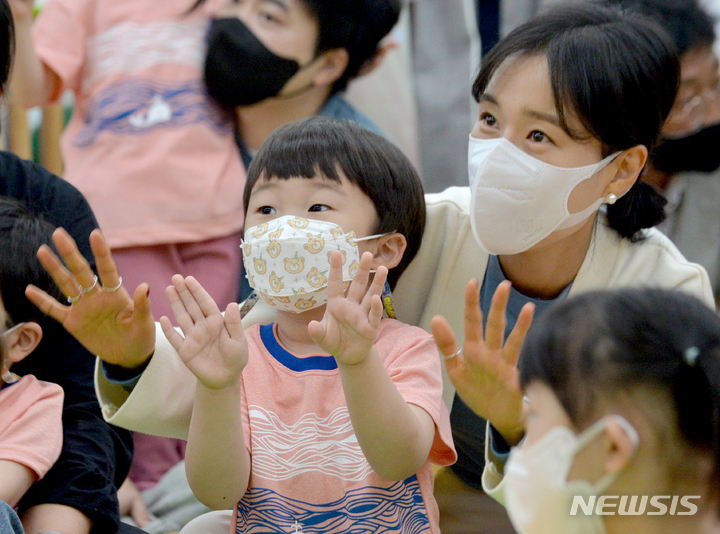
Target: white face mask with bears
point(287, 260)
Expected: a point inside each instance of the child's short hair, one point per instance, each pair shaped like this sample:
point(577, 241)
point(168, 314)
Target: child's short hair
point(371, 162)
point(21, 234)
point(355, 25)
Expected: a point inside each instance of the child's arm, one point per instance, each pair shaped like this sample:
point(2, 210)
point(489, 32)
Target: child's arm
point(15, 480)
point(395, 436)
point(32, 83)
point(485, 373)
point(215, 349)
point(31, 439)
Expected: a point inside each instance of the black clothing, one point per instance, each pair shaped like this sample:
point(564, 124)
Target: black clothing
point(96, 456)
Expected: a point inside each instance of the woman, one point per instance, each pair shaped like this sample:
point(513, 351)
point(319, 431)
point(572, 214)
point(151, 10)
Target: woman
point(565, 125)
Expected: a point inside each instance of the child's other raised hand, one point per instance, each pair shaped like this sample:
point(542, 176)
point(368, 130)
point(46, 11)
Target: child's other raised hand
point(212, 346)
point(350, 325)
point(485, 371)
point(101, 314)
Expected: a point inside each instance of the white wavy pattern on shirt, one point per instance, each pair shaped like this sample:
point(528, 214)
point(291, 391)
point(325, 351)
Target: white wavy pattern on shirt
point(130, 47)
point(313, 444)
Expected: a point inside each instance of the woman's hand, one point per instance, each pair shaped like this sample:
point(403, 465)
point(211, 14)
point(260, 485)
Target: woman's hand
point(212, 346)
point(485, 371)
point(101, 315)
point(349, 328)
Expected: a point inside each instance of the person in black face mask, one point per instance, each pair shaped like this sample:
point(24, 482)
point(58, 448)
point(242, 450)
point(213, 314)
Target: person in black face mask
point(278, 61)
point(685, 164)
point(283, 60)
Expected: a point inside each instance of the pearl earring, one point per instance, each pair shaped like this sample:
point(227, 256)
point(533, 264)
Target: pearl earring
point(611, 199)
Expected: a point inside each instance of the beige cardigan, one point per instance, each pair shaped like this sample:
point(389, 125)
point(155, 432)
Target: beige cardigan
point(161, 402)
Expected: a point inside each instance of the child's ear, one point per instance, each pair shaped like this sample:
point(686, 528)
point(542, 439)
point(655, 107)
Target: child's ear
point(21, 342)
point(333, 65)
point(390, 250)
point(622, 445)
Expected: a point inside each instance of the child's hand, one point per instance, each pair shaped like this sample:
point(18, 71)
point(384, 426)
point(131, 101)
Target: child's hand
point(485, 373)
point(349, 328)
point(214, 347)
point(104, 318)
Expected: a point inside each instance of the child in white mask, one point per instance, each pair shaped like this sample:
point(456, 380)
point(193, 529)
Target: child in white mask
point(314, 422)
point(306, 216)
point(622, 417)
point(328, 419)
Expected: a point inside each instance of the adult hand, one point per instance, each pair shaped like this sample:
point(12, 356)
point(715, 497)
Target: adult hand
point(101, 315)
point(349, 328)
point(485, 371)
point(212, 346)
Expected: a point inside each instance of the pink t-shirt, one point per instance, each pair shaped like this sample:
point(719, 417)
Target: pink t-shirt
point(154, 155)
point(308, 472)
point(31, 423)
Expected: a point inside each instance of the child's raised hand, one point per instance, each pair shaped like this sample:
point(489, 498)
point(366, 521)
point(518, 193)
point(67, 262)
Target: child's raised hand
point(213, 347)
point(101, 315)
point(485, 371)
point(350, 325)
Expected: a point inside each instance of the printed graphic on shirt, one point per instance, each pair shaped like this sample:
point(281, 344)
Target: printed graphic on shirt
point(398, 509)
point(312, 444)
point(130, 48)
point(134, 107)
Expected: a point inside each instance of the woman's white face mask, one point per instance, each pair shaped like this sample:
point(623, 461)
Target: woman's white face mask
point(518, 200)
point(538, 496)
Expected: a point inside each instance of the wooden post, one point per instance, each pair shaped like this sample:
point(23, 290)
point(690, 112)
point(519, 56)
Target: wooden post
point(49, 139)
point(18, 131)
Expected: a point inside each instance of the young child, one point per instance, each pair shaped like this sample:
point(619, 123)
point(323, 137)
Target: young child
point(328, 419)
point(622, 408)
point(30, 410)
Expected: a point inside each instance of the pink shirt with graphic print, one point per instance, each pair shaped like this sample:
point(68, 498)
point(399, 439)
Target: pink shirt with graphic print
point(154, 155)
point(308, 471)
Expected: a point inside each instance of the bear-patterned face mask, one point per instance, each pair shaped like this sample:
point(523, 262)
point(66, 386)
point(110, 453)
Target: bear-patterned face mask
point(287, 260)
